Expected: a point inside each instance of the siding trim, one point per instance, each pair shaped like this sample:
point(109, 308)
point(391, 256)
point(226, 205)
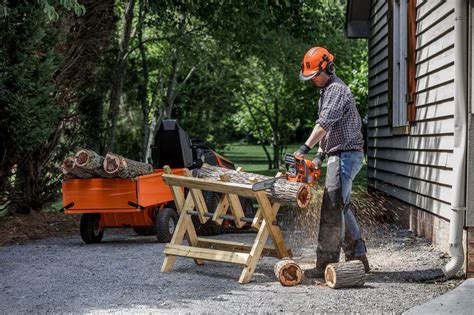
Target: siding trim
point(390, 61)
point(411, 61)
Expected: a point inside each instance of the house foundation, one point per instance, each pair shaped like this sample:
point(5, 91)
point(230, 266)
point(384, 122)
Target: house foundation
point(470, 253)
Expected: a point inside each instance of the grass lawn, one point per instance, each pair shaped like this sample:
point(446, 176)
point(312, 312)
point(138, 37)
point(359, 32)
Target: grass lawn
point(252, 157)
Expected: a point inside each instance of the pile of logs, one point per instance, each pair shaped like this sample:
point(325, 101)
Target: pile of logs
point(89, 164)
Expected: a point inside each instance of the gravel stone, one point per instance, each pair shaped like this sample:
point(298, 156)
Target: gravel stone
point(122, 274)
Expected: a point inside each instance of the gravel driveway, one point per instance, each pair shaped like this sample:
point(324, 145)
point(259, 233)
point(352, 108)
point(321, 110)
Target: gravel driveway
point(122, 275)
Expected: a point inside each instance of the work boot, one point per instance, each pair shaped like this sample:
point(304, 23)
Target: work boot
point(362, 258)
point(314, 273)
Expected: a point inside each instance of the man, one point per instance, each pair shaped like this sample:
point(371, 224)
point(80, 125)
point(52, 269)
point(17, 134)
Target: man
point(338, 132)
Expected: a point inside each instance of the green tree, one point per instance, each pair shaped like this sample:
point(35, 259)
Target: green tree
point(28, 113)
point(45, 67)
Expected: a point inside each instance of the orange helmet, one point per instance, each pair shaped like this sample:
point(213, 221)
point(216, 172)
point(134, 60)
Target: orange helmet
point(317, 59)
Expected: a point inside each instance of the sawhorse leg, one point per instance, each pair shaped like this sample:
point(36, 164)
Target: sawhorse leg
point(184, 227)
point(259, 244)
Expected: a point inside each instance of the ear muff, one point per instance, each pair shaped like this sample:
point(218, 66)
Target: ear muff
point(330, 67)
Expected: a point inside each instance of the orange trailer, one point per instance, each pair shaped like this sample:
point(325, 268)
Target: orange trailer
point(144, 203)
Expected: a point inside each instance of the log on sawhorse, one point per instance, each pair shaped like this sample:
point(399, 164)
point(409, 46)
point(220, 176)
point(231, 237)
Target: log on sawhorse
point(201, 249)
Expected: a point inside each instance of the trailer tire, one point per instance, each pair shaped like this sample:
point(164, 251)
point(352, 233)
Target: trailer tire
point(90, 228)
point(247, 206)
point(209, 228)
point(211, 199)
point(165, 224)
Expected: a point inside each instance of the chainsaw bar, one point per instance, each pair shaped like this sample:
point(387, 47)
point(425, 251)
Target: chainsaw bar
point(266, 184)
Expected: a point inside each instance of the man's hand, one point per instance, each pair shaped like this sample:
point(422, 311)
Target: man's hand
point(318, 159)
point(302, 151)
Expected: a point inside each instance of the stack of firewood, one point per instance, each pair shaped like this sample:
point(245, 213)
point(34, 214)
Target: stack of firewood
point(89, 164)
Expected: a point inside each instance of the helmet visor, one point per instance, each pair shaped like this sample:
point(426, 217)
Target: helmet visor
point(306, 77)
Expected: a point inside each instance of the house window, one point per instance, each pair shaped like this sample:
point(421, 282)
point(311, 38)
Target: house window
point(402, 68)
point(399, 117)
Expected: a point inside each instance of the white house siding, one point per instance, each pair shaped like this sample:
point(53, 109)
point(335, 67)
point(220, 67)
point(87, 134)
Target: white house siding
point(416, 168)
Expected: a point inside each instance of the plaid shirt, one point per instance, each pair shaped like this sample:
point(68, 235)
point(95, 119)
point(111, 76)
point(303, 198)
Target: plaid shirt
point(338, 116)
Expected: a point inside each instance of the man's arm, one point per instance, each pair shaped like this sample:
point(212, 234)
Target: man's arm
point(316, 135)
point(331, 111)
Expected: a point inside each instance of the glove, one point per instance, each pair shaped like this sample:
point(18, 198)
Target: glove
point(302, 151)
point(318, 159)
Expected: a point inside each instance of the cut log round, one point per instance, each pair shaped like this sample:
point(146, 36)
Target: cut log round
point(288, 272)
point(70, 170)
point(119, 166)
point(345, 274)
point(91, 162)
point(282, 191)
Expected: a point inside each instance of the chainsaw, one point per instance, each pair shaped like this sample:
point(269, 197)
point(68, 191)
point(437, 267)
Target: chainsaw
point(297, 170)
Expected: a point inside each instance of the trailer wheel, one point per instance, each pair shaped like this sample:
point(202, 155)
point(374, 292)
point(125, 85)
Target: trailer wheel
point(209, 228)
point(211, 199)
point(90, 228)
point(247, 206)
point(165, 224)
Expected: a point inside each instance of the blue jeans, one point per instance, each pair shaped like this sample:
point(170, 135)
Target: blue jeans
point(338, 226)
point(351, 163)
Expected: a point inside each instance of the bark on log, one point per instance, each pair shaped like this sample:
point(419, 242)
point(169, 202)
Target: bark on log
point(282, 191)
point(70, 169)
point(288, 272)
point(91, 162)
point(345, 274)
point(119, 166)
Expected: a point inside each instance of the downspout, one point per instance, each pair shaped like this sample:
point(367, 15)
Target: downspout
point(458, 203)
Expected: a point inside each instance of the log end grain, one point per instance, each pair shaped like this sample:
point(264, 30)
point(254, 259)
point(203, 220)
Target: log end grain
point(82, 157)
point(68, 164)
point(303, 196)
point(111, 163)
point(345, 274)
point(288, 272)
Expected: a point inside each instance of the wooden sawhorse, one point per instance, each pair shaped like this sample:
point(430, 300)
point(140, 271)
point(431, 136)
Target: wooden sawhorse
point(201, 249)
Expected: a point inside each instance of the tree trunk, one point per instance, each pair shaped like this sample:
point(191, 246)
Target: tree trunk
point(143, 87)
point(345, 274)
point(118, 166)
point(276, 155)
point(119, 75)
point(288, 272)
point(164, 111)
point(91, 162)
point(70, 169)
point(282, 191)
point(276, 133)
point(154, 125)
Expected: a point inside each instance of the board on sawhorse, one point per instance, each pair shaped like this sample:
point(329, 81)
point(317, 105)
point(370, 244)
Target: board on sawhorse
point(201, 249)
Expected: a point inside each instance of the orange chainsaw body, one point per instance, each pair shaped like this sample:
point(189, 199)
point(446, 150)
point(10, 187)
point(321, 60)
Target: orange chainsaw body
point(301, 170)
